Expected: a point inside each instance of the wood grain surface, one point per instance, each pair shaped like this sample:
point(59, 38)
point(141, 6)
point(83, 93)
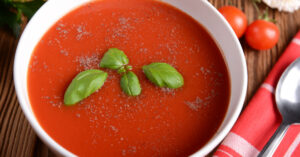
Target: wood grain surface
point(17, 138)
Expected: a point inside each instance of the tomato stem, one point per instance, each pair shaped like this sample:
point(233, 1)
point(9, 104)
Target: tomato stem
point(264, 15)
point(254, 2)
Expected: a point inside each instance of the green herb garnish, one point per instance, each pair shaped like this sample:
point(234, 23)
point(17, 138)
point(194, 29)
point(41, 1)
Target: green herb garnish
point(117, 60)
point(11, 12)
point(163, 75)
point(114, 59)
point(83, 85)
point(87, 82)
point(130, 84)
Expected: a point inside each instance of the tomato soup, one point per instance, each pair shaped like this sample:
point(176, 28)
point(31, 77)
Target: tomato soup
point(158, 122)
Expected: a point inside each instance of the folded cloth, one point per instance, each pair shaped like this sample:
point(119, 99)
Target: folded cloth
point(260, 119)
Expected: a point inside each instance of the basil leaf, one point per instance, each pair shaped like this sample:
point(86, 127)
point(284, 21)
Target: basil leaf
point(163, 75)
point(114, 59)
point(130, 84)
point(83, 85)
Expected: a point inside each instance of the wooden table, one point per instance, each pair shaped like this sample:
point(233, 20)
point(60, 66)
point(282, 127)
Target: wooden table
point(17, 138)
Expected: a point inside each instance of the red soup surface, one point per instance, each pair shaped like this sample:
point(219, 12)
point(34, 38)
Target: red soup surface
point(160, 121)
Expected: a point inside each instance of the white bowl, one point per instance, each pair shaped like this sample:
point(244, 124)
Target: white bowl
point(200, 10)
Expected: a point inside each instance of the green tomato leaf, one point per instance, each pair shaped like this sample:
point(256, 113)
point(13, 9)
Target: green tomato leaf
point(130, 84)
point(83, 85)
point(28, 8)
point(163, 75)
point(10, 19)
point(11, 12)
point(114, 59)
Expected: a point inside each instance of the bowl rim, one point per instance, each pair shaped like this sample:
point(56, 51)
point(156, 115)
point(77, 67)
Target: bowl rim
point(57, 148)
point(210, 145)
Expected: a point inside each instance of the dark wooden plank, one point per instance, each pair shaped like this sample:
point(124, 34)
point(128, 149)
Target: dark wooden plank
point(17, 138)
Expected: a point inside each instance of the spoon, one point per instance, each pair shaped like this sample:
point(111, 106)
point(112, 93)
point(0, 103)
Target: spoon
point(287, 97)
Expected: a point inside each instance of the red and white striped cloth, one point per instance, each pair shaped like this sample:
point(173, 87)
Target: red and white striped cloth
point(261, 118)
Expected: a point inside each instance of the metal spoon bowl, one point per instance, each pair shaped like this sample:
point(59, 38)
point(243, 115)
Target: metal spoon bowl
point(287, 97)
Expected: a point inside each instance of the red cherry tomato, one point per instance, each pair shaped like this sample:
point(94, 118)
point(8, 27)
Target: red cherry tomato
point(262, 35)
point(236, 18)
